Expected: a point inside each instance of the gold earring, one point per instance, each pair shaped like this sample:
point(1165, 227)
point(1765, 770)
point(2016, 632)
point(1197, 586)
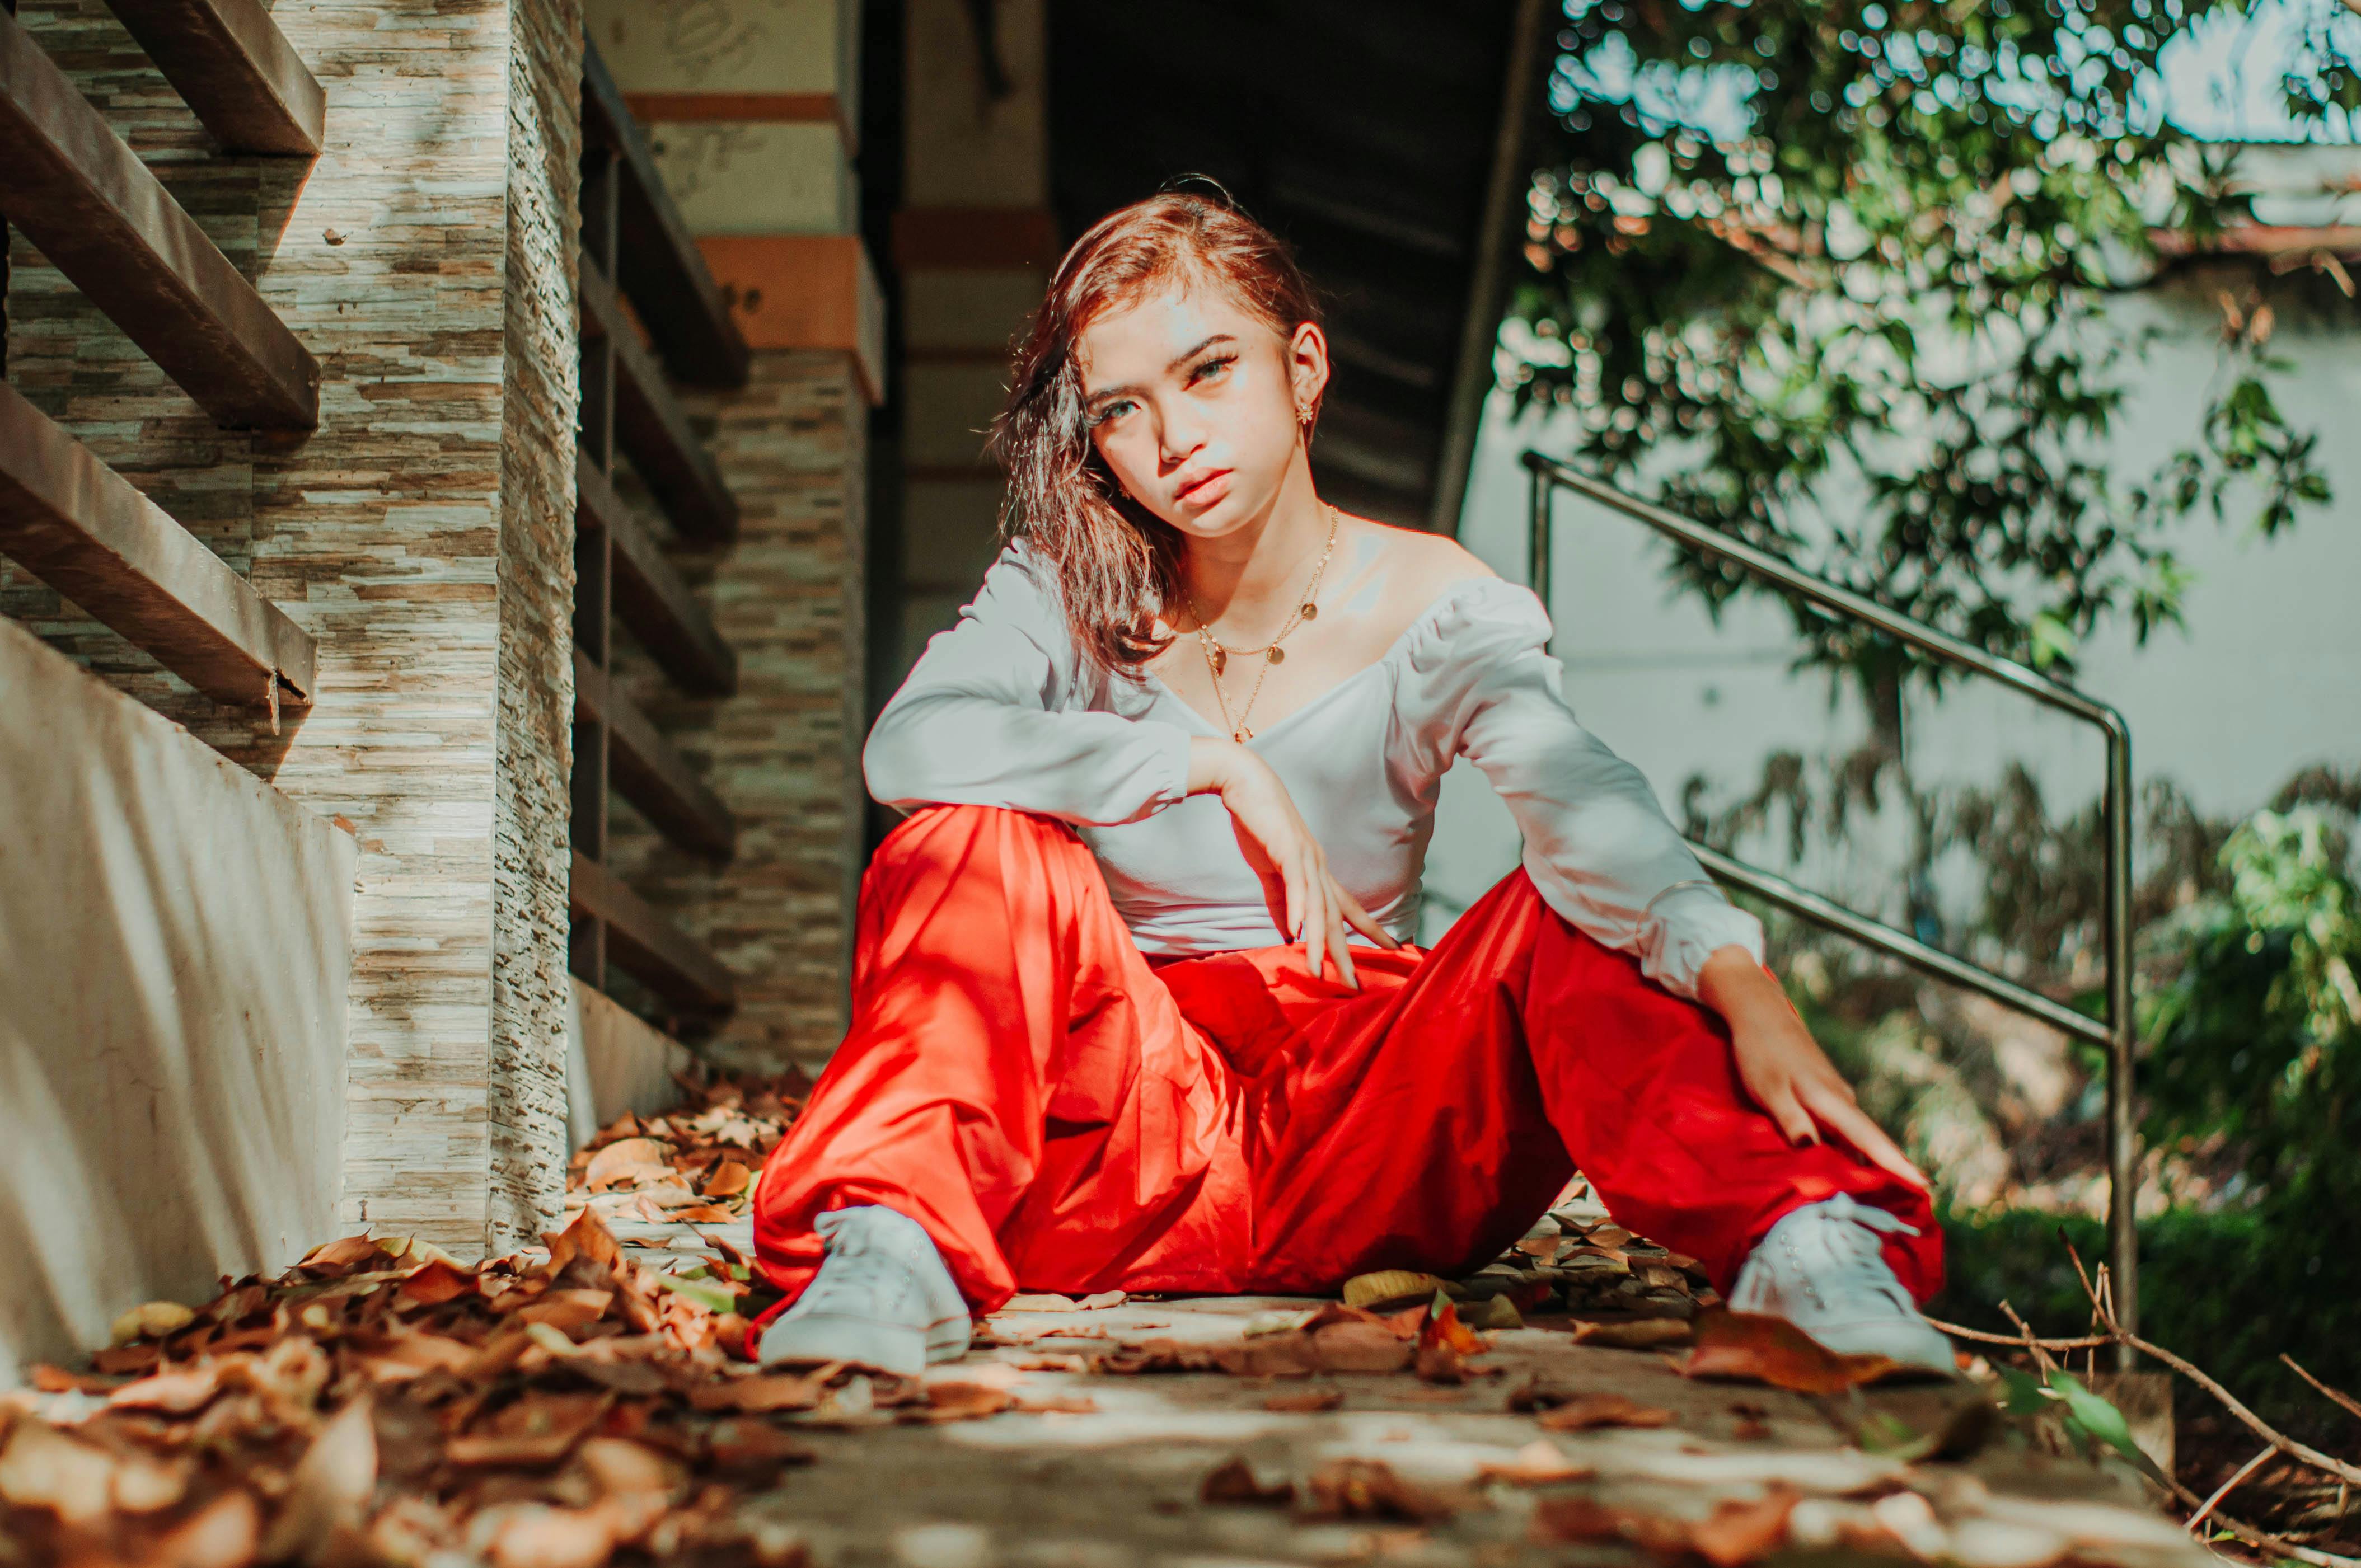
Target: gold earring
point(1303, 414)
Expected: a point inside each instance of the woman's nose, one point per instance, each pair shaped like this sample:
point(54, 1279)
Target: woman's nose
point(1180, 437)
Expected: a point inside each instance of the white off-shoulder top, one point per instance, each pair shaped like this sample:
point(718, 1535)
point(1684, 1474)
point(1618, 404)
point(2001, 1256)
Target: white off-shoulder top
point(999, 711)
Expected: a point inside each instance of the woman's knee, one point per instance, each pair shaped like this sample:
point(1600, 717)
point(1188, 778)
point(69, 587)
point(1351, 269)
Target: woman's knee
point(973, 840)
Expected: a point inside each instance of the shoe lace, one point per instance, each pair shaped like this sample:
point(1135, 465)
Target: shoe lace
point(1859, 1253)
point(867, 1273)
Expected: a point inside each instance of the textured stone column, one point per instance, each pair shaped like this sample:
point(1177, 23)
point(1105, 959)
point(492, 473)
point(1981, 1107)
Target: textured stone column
point(423, 535)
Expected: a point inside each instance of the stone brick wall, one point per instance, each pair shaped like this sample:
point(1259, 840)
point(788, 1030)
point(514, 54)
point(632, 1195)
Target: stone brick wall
point(422, 534)
point(532, 853)
point(783, 751)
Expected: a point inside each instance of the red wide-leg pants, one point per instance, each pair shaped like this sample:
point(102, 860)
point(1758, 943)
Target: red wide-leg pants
point(1063, 1113)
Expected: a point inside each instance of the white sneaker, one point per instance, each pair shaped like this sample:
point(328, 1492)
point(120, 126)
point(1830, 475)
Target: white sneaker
point(882, 1298)
point(1822, 1268)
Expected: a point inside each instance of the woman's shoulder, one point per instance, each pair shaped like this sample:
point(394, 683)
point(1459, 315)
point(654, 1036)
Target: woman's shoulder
point(1450, 605)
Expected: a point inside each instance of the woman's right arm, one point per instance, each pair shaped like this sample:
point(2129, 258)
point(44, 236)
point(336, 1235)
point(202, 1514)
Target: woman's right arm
point(981, 721)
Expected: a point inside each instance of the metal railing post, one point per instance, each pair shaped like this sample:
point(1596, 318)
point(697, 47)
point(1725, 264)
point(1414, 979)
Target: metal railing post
point(2122, 1132)
point(1537, 544)
point(2118, 1033)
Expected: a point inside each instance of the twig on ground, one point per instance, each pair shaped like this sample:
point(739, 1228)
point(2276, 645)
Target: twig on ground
point(2347, 1400)
point(2226, 1487)
point(2230, 1402)
point(2262, 1541)
point(2025, 1331)
point(2085, 1342)
point(2252, 1422)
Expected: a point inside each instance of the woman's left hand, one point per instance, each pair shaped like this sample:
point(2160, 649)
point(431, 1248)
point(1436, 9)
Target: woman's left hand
point(1784, 1069)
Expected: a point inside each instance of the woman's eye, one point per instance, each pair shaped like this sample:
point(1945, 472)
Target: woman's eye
point(1108, 412)
point(1212, 365)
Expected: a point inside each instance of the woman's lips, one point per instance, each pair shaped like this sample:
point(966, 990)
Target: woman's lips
point(1211, 487)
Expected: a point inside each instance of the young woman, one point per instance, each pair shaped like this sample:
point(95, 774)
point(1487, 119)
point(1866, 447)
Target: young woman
point(1133, 1005)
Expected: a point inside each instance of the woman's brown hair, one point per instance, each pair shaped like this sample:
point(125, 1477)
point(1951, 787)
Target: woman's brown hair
point(1115, 563)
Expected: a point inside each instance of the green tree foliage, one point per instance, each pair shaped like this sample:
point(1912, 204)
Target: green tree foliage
point(1826, 274)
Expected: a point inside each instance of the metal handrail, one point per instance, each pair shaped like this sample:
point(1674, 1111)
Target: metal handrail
point(1549, 474)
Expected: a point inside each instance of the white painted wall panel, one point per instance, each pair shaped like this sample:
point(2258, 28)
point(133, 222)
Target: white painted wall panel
point(175, 946)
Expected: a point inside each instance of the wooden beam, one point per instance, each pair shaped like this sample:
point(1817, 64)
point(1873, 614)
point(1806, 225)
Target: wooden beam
point(651, 949)
point(651, 426)
point(651, 599)
point(232, 65)
point(649, 772)
point(659, 267)
point(83, 528)
point(94, 211)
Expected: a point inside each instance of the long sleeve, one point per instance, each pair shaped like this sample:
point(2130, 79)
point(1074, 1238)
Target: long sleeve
point(1598, 847)
point(982, 720)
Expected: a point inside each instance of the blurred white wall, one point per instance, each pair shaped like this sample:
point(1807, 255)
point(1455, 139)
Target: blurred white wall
point(2265, 679)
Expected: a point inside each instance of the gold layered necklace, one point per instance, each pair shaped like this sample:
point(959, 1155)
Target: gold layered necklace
point(1218, 656)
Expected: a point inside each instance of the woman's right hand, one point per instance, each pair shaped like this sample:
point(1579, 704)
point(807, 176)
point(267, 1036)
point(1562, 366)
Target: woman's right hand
point(1305, 901)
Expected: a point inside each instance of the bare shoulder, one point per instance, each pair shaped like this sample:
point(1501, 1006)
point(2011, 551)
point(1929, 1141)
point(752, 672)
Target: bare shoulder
point(1394, 575)
point(1433, 560)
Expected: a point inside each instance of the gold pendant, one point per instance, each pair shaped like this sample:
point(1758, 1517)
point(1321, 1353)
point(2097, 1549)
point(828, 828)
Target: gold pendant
point(1242, 734)
point(1279, 655)
point(1221, 658)
point(1311, 612)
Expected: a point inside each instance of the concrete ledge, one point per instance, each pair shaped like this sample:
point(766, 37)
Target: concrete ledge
point(615, 1063)
point(175, 949)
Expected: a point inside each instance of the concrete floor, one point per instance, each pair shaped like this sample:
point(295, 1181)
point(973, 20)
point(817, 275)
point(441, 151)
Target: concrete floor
point(1120, 1484)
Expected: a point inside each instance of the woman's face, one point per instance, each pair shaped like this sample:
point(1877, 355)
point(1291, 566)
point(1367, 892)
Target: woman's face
point(1191, 399)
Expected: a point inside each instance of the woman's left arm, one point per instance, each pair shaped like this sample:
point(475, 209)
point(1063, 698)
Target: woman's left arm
point(1603, 854)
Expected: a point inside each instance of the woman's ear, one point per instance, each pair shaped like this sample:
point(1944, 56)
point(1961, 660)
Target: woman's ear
point(1307, 353)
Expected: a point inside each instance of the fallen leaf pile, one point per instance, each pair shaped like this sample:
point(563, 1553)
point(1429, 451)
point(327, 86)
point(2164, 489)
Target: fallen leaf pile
point(382, 1403)
point(696, 1162)
point(1601, 1269)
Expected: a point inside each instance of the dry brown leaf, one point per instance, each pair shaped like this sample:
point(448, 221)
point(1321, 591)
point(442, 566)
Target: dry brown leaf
point(1538, 1463)
point(1737, 1533)
point(585, 1236)
point(1388, 1285)
point(621, 1466)
point(1590, 1410)
point(1041, 1301)
point(1101, 1300)
point(749, 1443)
point(1351, 1346)
point(43, 1468)
point(1368, 1489)
point(330, 1488)
point(151, 1319)
point(621, 1160)
point(343, 1256)
point(1634, 1333)
point(1234, 1481)
point(535, 1535)
point(1061, 1405)
point(1444, 1328)
point(537, 1429)
point(179, 1392)
point(1439, 1363)
point(567, 1311)
point(769, 1391)
point(50, 1379)
point(728, 1179)
point(704, 1214)
point(127, 1360)
point(1760, 1348)
point(960, 1402)
point(224, 1533)
point(1312, 1401)
point(439, 1281)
